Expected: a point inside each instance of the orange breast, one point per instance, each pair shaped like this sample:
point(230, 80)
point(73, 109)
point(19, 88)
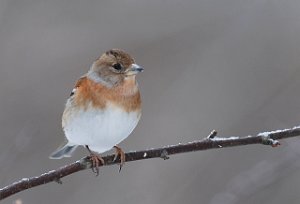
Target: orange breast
point(126, 95)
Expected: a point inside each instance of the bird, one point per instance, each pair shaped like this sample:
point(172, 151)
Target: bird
point(103, 108)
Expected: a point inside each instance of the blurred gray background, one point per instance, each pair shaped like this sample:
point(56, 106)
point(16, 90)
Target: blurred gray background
point(228, 65)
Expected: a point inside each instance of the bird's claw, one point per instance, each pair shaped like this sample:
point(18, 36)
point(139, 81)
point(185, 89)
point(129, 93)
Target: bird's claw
point(119, 152)
point(96, 162)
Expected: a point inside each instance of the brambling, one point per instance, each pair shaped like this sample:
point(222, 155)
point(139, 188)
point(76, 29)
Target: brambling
point(103, 108)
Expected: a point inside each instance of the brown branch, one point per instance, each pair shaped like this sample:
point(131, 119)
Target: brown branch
point(211, 142)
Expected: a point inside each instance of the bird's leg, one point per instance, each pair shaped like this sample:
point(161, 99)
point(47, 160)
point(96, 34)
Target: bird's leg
point(96, 161)
point(119, 152)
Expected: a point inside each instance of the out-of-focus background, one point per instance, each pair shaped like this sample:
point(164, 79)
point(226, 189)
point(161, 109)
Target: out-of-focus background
point(228, 65)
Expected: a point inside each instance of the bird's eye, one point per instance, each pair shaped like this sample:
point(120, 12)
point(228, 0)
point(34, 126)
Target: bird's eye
point(117, 66)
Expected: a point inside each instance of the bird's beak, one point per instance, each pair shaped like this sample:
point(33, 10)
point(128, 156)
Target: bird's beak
point(134, 69)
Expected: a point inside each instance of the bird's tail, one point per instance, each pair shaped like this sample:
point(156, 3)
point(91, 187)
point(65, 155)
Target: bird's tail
point(64, 151)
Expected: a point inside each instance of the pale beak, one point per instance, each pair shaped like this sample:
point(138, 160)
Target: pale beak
point(134, 69)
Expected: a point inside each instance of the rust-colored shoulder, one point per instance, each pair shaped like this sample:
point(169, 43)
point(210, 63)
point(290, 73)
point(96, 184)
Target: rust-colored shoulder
point(86, 94)
point(80, 81)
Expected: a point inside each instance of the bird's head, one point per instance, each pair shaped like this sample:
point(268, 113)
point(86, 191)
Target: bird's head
point(113, 67)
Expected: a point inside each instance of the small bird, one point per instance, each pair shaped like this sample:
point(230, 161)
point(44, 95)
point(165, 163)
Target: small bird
point(103, 108)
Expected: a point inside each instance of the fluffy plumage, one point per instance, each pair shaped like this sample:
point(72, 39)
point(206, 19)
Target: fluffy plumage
point(104, 107)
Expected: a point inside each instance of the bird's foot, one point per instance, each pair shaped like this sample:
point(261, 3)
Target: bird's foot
point(96, 162)
point(119, 152)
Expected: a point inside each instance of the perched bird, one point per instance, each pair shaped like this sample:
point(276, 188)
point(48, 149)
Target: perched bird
point(103, 108)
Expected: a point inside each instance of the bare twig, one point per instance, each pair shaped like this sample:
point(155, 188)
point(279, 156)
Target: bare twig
point(210, 142)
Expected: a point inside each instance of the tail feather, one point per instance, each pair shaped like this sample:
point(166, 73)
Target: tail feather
point(65, 151)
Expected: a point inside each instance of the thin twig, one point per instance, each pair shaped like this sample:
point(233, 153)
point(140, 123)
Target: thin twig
point(210, 142)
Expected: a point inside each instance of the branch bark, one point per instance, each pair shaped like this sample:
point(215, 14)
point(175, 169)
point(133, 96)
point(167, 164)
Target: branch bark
point(210, 142)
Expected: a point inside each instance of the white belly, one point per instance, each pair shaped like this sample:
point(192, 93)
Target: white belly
point(100, 130)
